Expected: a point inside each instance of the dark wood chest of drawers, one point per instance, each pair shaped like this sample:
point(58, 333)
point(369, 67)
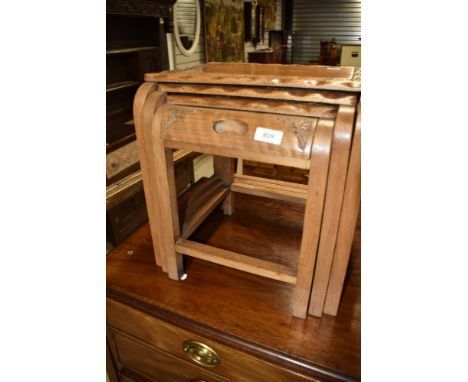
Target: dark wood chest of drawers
point(246, 320)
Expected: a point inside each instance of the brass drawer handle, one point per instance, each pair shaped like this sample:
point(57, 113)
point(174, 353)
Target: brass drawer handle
point(230, 125)
point(201, 353)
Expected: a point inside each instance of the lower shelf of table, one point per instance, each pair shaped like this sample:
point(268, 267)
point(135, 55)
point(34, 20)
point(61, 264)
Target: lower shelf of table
point(263, 236)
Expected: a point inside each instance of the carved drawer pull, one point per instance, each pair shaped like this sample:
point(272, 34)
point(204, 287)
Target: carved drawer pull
point(230, 125)
point(201, 354)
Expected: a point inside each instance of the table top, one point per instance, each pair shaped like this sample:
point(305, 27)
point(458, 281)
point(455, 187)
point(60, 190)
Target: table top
point(343, 78)
point(241, 310)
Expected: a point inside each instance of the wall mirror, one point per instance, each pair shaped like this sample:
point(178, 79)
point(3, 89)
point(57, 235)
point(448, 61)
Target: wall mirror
point(187, 25)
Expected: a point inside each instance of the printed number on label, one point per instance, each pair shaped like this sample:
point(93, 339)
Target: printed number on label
point(268, 135)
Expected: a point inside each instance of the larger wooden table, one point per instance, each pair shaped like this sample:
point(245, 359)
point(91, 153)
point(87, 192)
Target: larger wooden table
point(306, 117)
point(246, 318)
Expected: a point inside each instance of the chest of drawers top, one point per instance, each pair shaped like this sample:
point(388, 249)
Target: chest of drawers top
point(237, 310)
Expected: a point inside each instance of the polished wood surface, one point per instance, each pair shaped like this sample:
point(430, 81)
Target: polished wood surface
point(349, 216)
point(156, 364)
point(245, 312)
point(298, 76)
point(161, 337)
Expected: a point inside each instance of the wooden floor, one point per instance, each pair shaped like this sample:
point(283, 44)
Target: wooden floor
point(238, 305)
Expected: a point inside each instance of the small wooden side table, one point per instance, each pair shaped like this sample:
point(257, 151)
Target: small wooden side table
point(291, 115)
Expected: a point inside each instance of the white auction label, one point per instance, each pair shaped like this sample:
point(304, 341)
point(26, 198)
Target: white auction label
point(268, 135)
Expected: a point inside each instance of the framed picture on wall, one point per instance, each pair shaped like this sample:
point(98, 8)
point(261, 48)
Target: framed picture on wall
point(224, 30)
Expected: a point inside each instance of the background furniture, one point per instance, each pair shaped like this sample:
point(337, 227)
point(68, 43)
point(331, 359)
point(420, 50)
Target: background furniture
point(328, 53)
point(281, 43)
point(350, 55)
point(274, 171)
point(245, 319)
point(261, 56)
point(136, 44)
point(280, 50)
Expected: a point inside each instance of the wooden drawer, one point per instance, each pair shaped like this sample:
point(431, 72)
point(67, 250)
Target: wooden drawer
point(126, 217)
point(236, 134)
point(157, 364)
point(234, 365)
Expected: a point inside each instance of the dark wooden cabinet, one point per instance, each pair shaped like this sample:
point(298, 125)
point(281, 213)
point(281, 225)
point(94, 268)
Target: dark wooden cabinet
point(244, 320)
point(261, 57)
point(135, 45)
point(281, 43)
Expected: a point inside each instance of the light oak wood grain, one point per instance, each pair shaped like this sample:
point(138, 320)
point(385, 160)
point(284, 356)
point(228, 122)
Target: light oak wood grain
point(143, 120)
point(330, 98)
point(331, 217)
point(202, 137)
point(349, 215)
point(313, 215)
point(162, 169)
point(238, 261)
point(258, 105)
point(273, 189)
point(298, 76)
point(211, 110)
point(224, 170)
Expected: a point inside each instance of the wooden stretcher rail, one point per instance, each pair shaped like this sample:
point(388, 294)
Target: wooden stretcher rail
point(236, 153)
point(269, 188)
point(202, 202)
point(236, 260)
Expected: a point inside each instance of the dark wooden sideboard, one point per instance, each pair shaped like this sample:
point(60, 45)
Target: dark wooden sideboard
point(135, 44)
point(246, 319)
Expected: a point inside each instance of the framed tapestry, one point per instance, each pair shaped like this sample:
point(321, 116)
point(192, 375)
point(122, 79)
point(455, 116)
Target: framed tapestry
point(269, 7)
point(224, 30)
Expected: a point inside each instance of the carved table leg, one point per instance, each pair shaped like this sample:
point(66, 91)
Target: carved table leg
point(162, 167)
point(224, 169)
point(349, 215)
point(319, 162)
point(144, 107)
point(339, 160)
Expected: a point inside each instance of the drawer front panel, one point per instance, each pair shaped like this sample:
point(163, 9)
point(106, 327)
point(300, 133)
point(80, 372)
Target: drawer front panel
point(233, 364)
point(158, 365)
point(279, 139)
